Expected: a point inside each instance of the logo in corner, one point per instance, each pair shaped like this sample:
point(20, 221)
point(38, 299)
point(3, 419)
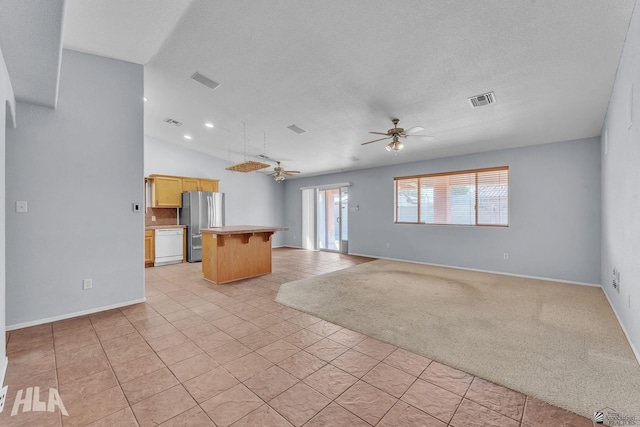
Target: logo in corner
point(598, 417)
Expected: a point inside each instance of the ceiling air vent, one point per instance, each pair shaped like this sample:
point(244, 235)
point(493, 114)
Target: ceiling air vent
point(484, 99)
point(205, 80)
point(172, 122)
point(296, 129)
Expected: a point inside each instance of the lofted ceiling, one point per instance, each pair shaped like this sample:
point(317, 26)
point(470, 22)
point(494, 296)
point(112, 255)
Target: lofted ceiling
point(339, 69)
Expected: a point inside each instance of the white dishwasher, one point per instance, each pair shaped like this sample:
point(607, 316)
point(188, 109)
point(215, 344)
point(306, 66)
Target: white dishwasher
point(168, 246)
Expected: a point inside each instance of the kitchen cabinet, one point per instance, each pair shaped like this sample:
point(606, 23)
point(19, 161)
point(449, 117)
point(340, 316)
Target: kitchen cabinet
point(190, 184)
point(199, 184)
point(149, 248)
point(165, 191)
point(209, 185)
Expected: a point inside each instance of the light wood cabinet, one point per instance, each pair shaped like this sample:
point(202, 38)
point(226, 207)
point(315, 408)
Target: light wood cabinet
point(166, 191)
point(149, 248)
point(190, 184)
point(209, 185)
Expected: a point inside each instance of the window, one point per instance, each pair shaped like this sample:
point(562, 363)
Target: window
point(473, 197)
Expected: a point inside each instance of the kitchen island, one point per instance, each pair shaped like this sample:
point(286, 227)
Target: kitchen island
point(236, 252)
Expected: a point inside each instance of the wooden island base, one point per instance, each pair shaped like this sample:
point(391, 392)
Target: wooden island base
point(236, 252)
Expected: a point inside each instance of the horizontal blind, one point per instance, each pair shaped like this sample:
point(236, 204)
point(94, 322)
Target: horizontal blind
point(474, 197)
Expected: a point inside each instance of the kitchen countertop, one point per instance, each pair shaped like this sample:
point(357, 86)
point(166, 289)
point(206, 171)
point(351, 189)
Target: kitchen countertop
point(159, 227)
point(242, 229)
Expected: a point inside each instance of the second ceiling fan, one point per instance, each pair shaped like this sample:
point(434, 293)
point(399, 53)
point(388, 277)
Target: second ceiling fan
point(279, 173)
point(396, 133)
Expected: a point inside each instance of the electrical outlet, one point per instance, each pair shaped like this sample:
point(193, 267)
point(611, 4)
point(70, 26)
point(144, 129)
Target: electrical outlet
point(153, 218)
point(506, 255)
point(87, 284)
point(388, 245)
point(3, 397)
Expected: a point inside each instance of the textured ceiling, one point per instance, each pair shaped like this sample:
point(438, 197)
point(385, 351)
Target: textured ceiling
point(339, 69)
point(31, 41)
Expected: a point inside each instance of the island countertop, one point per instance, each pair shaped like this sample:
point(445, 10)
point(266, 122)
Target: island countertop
point(242, 229)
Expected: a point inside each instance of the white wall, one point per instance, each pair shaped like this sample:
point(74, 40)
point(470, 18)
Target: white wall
point(7, 116)
point(250, 198)
point(621, 188)
point(554, 220)
point(80, 168)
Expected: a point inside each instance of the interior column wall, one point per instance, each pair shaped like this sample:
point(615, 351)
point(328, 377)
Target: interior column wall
point(7, 111)
point(80, 170)
point(620, 189)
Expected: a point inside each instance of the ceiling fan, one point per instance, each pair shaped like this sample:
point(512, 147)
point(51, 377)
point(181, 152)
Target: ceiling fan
point(396, 133)
point(280, 174)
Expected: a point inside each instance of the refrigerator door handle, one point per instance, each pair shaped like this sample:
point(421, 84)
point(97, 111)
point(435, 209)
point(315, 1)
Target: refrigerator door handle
point(210, 211)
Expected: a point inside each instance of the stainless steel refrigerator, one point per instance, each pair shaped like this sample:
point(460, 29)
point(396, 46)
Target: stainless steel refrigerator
point(200, 210)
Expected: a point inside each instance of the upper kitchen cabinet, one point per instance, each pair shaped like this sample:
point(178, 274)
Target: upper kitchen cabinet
point(165, 191)
point(199, 184)
point(190, 184)
point(209, 185)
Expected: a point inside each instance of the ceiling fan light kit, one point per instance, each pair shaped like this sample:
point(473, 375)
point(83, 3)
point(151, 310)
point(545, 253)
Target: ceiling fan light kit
point(395, 145)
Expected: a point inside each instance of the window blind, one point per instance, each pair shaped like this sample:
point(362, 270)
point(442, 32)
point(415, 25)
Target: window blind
point(472, 197)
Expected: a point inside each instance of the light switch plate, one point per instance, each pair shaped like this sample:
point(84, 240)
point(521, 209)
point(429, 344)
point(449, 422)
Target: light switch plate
point(22, 206)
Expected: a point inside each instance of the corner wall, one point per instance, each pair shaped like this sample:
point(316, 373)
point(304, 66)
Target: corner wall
point(7, 111)
point(554, 214)
point(621, 188)
point(250, 198)
point(80, 168)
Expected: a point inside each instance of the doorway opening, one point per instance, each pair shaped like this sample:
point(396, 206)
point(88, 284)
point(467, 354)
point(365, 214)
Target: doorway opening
point(332, 210)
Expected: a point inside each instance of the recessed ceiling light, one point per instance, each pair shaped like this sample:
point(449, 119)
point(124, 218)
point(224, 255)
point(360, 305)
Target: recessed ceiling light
point(187, 137)
point(209, 125)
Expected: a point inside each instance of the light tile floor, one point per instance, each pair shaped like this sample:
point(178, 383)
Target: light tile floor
point(198, 354)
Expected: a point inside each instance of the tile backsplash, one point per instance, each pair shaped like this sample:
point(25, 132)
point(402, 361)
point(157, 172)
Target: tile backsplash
point(164, 216)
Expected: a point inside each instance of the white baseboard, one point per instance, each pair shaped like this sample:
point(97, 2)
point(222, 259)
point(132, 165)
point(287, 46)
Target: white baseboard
point(70, 315)
point(502, 273)
point(633, 347)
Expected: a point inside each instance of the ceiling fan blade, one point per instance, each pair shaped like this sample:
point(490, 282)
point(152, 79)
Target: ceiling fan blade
point(291, 172)
point(413, 130)
point(422, 137)
point(379, 133)
point(375, 140)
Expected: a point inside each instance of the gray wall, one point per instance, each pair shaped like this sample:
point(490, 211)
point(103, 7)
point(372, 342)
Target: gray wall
point(554, 221)
point(80, 168)
point(250, 198)
point(7, 109)
point(621, 188)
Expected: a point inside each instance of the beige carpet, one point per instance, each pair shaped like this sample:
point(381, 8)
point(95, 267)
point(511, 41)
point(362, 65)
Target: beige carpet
point(554, 341)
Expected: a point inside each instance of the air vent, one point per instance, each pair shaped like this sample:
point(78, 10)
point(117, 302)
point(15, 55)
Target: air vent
point(205, 80)
point(296, 129)
point(172, 122)
point(264, 157)
point(484, 99)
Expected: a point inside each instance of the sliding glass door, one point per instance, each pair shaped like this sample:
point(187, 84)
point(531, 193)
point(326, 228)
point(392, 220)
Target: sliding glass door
point(332, 215)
